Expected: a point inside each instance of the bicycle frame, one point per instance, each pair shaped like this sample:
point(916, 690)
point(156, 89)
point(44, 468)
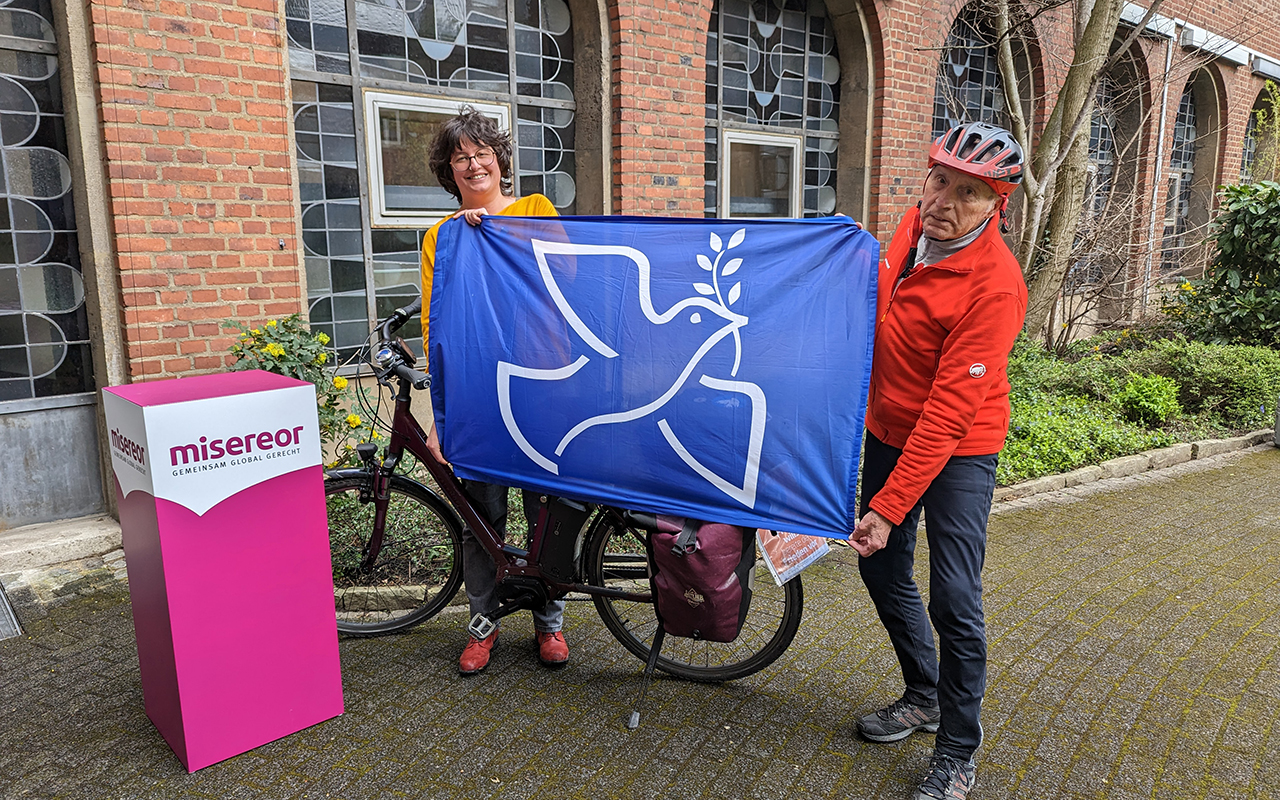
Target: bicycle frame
point(511, 561)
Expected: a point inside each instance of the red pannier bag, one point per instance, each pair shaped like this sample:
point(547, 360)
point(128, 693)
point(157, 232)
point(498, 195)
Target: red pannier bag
point(703, 575)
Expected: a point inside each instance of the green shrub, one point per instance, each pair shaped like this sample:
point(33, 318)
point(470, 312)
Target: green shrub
point(1220, 387)
point(1149, 399)
point(1232, 386)
point(287, 347)
point(1031, 367)
point(1238, 300)
point(1049, 434)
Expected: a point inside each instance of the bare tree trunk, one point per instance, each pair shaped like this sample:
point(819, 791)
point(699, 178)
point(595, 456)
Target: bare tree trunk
point(1061, 159)
point(1063, 223)
point(1094, 30)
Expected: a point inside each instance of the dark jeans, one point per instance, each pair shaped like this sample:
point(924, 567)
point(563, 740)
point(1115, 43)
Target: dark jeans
point(956, 507)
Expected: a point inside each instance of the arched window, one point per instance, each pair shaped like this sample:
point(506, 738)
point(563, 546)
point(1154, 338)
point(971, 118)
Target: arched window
point(969, 87)
point(44, 327)
point(1258, 159)
point(1091, 265)
point(1249, 149)
point(1102, 147)
point(1095, 286)
point(367, 195)
point(1181, 176)
point(773, 95)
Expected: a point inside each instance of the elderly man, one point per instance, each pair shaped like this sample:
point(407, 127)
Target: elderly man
point(951, 303)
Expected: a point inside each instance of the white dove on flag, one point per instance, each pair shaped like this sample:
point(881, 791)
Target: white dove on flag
point(711, 300)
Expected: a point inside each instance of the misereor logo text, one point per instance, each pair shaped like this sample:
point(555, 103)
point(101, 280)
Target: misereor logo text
point(252, 446)
point(202, 450)
point(127, 447)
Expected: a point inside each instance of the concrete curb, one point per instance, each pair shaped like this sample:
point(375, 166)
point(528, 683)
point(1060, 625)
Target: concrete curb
point(47, 543)
point(1126, 466)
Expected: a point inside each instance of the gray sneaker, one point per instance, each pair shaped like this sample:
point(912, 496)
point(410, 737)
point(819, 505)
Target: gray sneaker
point(897, 721)
point(948, 779)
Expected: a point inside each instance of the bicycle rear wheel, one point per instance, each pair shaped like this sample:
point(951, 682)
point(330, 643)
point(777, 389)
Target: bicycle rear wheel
point(419, 565)
point(615, 557)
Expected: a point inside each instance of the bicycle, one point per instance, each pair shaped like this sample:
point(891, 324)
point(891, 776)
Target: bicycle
point(396, 548)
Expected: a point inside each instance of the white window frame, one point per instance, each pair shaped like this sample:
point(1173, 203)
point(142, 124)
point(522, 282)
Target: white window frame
point(730, 137)
point(375, 102)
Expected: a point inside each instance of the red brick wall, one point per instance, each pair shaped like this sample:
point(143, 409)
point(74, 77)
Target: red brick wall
point(903, 103)
point(195, 119)
point(659, 88)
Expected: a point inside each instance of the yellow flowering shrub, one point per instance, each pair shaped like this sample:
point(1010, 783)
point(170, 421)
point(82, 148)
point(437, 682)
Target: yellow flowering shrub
point(286, 346)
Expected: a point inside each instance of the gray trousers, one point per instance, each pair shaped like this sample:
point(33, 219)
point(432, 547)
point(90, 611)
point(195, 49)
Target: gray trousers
point(478, 570)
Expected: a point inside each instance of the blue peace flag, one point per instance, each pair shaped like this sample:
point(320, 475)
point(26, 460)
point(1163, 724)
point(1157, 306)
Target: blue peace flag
point(714, 369)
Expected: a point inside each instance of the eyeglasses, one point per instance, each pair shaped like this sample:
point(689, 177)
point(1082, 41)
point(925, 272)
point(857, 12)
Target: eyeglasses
point(483, 158)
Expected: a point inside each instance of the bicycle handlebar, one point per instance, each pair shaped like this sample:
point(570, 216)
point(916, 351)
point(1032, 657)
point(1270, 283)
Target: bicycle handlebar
point(419, 379)
point(389, 357)
point(399, 317)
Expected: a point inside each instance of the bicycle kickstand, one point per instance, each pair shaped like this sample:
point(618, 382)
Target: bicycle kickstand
point(634, 721)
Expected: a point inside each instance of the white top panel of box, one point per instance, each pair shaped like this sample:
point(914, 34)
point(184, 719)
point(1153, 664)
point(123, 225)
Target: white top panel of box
point(199, 452)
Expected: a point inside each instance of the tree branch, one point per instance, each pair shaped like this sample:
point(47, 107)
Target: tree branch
point(1012, 92)
point(1129, 40)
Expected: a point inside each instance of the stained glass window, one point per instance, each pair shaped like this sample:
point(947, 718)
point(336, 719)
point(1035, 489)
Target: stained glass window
point(329, 189)
point(1093, 256)
point(1249, 150)
point(444, 51)
point(772, 67)
point(317, 32)
point(969, 87)
point(1182, 164)
point(1102, 146)
point(44, 330)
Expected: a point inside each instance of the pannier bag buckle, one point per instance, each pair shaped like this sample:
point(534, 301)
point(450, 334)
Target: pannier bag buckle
point(687, 540)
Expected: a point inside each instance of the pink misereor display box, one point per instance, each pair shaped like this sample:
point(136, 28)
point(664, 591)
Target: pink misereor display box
point(221, 493)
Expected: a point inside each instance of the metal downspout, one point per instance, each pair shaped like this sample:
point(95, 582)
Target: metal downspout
point(1155, 186)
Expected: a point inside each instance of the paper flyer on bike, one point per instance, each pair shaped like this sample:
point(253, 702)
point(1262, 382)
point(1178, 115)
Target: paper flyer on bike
point(716, 369)
point(788, 554)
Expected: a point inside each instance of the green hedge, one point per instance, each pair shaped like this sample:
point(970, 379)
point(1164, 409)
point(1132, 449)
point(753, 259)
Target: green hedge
point(1050, 433)
point(1114, 395)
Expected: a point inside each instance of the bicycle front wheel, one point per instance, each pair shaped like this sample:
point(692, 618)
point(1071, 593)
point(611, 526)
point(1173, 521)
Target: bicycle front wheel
point(615, 558)
point(418, 566)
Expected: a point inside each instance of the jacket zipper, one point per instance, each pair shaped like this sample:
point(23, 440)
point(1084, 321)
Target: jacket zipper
point(907, 272)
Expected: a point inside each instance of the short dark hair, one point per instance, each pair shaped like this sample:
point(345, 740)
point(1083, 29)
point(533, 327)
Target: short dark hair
point(481, 131)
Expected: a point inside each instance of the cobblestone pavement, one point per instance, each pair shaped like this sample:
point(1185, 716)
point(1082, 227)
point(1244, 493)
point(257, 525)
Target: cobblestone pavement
point(1133, 629)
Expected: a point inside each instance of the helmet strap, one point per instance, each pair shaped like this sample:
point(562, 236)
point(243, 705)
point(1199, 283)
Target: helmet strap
point(1004, 215)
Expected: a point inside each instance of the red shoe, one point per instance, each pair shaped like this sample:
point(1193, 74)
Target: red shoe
point(553, 651)
point(475, 656)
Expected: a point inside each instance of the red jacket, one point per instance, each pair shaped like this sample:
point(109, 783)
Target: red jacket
point(939, 381)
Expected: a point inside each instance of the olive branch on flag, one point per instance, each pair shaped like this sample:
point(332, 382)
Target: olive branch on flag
point(713, 289)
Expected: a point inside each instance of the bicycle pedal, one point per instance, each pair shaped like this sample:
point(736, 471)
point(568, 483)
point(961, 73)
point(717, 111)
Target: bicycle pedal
point(481, 626)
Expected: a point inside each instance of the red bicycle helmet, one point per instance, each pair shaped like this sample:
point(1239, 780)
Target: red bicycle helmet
point(984, 151)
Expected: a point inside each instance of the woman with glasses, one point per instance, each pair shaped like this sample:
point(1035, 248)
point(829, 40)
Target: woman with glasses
point(471, 159)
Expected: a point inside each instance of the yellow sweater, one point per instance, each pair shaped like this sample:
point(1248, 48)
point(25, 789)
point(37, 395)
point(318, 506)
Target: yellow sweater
point(535, 205)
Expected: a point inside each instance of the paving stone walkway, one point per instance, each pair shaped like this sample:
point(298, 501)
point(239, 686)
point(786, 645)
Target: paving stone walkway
point(1134, 627)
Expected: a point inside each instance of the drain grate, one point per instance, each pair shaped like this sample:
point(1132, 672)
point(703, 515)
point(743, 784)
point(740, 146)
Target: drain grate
point(9, 625)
